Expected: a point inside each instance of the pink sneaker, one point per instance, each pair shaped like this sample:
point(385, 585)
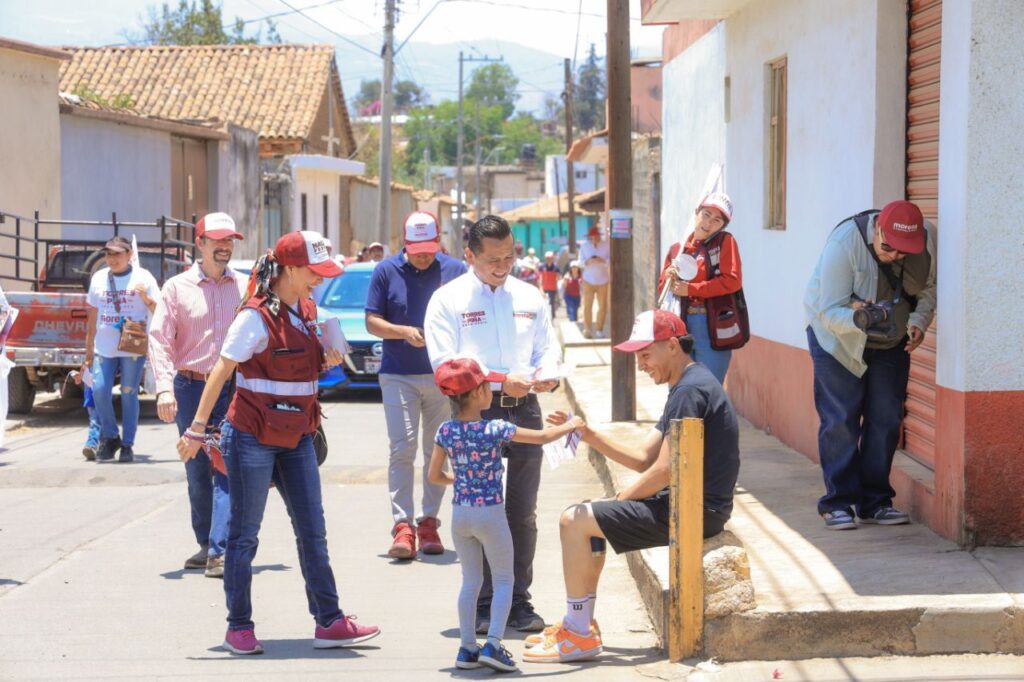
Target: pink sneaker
point(242, 642)
point(343, 632)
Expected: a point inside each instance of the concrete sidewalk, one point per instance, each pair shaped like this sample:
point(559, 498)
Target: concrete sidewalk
point(870, 592)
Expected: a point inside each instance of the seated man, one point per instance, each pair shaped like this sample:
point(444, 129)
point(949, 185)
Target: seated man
point(638, 516)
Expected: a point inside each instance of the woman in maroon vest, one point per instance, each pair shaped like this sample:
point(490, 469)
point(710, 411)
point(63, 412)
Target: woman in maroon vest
point(268, 434)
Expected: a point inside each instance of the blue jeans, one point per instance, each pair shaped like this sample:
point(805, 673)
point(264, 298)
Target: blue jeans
point(103, 371)
point(860, 426)
point(572, 306)
point(251, 468)
point(207, 487)
point(717, 361)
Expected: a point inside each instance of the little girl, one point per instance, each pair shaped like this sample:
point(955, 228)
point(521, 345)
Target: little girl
point(478, 515)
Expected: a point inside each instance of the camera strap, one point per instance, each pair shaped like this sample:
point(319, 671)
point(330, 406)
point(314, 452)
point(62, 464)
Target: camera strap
point(895, 282)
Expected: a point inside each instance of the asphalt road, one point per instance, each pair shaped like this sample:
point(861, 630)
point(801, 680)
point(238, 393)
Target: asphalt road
point(91, 584)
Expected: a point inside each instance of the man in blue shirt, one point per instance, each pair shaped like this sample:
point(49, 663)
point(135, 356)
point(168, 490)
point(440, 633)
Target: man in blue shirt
point(396, 304)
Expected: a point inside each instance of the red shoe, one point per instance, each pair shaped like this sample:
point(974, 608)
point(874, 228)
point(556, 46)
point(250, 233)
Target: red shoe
point(403, 546)
point(430, 541)
point(343, 632)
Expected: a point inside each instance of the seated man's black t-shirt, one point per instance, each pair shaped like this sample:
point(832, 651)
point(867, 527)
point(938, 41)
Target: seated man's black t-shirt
point(637, 524)
point(698, 394)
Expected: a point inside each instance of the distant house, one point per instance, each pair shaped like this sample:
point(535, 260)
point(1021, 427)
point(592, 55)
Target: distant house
point(544, 224)
point(115, 160)
point(289, 95)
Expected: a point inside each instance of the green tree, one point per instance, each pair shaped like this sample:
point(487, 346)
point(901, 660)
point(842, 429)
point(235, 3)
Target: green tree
point(192, 24)
point(369, 92)
point(408, 95)
point(494, 85)
point(524, 128)
point(590, 94)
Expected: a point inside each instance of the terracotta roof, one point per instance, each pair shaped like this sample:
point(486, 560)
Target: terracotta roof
point(77, 106)
point(275, 90)
point(547, 208)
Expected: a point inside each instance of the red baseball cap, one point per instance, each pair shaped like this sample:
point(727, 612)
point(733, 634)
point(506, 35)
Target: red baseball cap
point(307, 248)
point(421, 233)
point(461, 375)
point(217, 226)
point(719, 200)
point(903, 226)
point(594, 231)
point(651, 326)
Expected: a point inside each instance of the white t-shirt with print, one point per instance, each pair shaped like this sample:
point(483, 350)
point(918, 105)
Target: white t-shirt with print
point(108, 331)
point(248, 335)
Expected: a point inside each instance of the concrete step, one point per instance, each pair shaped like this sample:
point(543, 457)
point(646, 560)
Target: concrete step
point(869, 592)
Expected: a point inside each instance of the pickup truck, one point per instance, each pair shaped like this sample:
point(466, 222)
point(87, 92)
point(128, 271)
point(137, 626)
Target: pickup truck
point(47, 340)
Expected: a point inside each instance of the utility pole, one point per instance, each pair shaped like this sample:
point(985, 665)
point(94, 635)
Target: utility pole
point(459, 186)
point(476, 201)
point(620, 196)
point(570, 175)
point(386, 101)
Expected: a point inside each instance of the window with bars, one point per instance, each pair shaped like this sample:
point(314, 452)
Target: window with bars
point(776, 168)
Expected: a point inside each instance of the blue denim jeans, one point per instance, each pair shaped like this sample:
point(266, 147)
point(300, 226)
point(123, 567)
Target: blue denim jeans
point(251, 467)
point(207, 487)
point(103, 371)
point(860, 426)
point(717, 361)
point(572, 306)
point(92, 439)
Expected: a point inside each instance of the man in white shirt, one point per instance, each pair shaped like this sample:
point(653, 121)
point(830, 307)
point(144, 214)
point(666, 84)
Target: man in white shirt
point(595, 256)
point(504, 323)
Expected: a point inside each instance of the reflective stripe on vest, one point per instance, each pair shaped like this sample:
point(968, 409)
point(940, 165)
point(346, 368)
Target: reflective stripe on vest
point(277, 388)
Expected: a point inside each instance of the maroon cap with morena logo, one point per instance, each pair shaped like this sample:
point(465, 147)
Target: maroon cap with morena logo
point(307, 248)
point(903, 226)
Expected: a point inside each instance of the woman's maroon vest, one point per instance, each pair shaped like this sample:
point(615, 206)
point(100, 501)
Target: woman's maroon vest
point(276, 397)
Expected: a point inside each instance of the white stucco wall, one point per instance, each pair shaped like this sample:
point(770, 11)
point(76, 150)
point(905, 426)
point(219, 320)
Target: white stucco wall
point(107, 167)
point(694, 129)
point(315, 184)
point(29, 144)
point(980, 174)
point(845, 148)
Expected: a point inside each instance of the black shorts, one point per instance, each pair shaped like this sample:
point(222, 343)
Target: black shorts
point(630, 525)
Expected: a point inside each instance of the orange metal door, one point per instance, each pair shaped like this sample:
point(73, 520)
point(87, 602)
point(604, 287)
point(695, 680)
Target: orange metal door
point(923, 65)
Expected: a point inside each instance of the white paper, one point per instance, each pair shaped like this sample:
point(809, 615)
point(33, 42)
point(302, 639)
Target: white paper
point(560, 370)
point(563, 450)
point(333, 337)
point(87, 377)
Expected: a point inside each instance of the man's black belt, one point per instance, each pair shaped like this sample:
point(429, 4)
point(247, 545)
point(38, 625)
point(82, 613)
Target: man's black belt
point(503, 400)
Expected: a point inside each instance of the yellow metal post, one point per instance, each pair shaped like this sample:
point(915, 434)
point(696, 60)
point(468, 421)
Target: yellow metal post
point(686, 538)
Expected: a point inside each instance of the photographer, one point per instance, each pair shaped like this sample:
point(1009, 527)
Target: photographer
point(868, 305)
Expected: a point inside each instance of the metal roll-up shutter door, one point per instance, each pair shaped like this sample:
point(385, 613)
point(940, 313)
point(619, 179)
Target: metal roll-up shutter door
point(923, 68)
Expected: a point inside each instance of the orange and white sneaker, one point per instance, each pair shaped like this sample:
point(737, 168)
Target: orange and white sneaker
point(552, 629)
point(563, 646)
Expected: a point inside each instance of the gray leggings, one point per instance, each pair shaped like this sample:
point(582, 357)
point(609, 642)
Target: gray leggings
point(477, 531)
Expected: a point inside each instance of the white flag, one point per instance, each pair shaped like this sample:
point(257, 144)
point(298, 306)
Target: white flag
point(135, 253)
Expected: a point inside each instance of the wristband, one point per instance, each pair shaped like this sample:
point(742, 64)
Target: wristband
point(196, 422)
point(192, 435)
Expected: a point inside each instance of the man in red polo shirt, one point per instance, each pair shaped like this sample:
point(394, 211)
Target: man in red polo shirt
point(549, 281)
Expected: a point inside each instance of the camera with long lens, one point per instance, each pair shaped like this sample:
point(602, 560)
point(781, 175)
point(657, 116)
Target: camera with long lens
point(877, 320)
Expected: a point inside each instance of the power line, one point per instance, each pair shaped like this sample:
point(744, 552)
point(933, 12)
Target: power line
point(329, 30)
point(282, 14)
